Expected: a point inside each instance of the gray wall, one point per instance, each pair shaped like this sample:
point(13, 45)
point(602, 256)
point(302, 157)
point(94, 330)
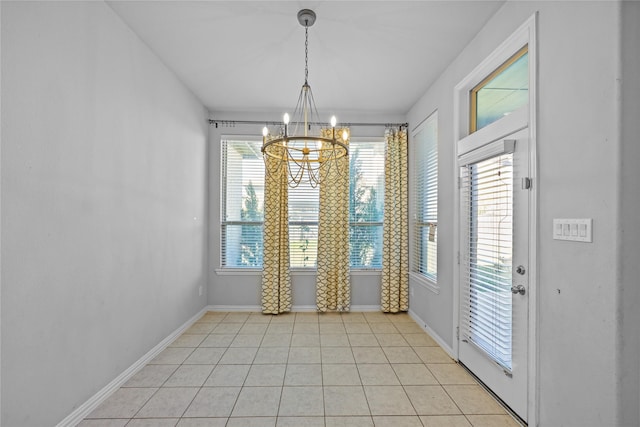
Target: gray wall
point(629, 342)
point(243, 291)
point(578, 157)
point(103, 205)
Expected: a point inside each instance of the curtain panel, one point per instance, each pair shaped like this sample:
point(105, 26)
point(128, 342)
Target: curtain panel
point(333, 287)
point(395, 249)
point(276, 280)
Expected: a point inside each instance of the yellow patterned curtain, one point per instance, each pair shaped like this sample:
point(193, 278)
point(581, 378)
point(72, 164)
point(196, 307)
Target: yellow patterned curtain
point(333, 289)
point(395, 249)
point(276, 281)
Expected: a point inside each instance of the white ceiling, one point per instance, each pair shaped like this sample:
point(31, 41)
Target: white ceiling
point(364, 56)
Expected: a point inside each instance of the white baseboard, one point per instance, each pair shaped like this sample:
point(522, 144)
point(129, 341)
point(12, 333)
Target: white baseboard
point(74, 418)
point(298, 308)
point(437, 338)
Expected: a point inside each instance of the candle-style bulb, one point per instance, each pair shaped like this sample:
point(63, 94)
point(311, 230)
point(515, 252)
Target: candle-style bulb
point(345, 135)
point(265, 131)
point(333, 121)
point(285, 119)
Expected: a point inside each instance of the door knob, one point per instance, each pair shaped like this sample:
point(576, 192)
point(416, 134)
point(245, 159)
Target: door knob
point(520, 270)
point(518, 290)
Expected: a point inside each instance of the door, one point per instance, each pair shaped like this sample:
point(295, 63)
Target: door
point(494, 230)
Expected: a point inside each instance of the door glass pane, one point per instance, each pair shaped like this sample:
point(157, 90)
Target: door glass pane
point(487, 319)
point(502, 92)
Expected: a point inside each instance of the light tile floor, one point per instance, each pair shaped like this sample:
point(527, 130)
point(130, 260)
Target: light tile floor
point(302, 369)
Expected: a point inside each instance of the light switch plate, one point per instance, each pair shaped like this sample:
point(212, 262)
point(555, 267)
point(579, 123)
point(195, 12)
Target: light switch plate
point(575, 229)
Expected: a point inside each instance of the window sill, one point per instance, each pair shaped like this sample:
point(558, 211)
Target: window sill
point(294, 272)
point(420, 280)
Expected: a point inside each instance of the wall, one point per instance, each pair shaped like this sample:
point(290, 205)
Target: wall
point(629, 338)
point(578, 139)
point(242, 291)
point(103, 205)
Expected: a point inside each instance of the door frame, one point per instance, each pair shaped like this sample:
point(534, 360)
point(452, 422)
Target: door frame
point(463, 142)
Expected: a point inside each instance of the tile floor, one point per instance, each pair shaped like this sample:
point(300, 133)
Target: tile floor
point(302, 369)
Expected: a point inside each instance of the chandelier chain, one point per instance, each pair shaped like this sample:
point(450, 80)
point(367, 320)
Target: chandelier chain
point(306, 53)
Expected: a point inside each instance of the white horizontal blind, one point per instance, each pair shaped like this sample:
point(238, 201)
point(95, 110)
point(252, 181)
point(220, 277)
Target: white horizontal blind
point(487, 227)
point(425, 190)
point(242, 203)
point(366, 202)
point(243, 197)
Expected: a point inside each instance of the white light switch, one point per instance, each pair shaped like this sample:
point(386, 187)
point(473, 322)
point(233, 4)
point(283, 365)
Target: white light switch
point(577, 230)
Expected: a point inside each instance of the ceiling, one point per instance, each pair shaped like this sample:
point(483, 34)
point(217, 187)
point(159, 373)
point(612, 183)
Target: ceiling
point(371, 57)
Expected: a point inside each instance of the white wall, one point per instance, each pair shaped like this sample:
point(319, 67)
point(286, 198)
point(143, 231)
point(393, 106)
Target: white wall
point(578, 156)
point(243, 291)
point(103, 205)
point(629, 337)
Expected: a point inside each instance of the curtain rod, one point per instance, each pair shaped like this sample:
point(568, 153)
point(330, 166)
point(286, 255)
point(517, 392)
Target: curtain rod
point(274, 123)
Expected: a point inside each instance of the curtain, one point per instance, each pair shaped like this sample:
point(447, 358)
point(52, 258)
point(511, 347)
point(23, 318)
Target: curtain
point(395, 238)
point(276, 281)
point(333, 289)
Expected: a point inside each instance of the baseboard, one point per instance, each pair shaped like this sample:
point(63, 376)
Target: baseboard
point(74, 418)
point(437, 338)
point(295, 308)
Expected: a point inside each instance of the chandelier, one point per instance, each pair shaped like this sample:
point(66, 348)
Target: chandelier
point(305, 148)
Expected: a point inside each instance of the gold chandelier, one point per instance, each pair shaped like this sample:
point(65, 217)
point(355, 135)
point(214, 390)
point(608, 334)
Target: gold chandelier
point(309, 152)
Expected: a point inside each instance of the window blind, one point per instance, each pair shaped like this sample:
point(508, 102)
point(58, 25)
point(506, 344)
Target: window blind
point(486, 264)
point(425, 190)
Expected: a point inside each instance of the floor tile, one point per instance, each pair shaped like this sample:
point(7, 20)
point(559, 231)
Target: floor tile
point(492, 421)
point(202, 422)
point(213, 402)
point(168, 402)
point(283, 318)
point(349, 421)
point(329, 318)
point(357, 328)
point(253, 329)
point(303, 374)
point(391, 340)
point(252, 422)
point(306, 317)
point(171, 356)
point(236, 317)
point(401, 355)
point(257, 402)
point(298, 355)
point(227, 328)
point(334, 340)
point(378, 374)
point(414, 374)
point(124, 403)
point(247, 340)
point(227, 375)
point(383, 328)
point(420, 340)
point(188, 340)
point(409, 328)
point(280, 328)
point(301, 401)
point(337, 355)
point(345, 400)
point(265, 375)
point(153, 422)
point(450, 373)
point(353, 317)
point(433, 355)
point(397, 421)
point(306, 328)
point(218, 340)
point(205, 356)
point(189, 376)
point(300, 421)
point(332, 328)
point(473, 399)
point(375, 317)
point(369, 355)
point(445, 421)
point(271, 355)
point(258, 318)
point(201, 328)
point(104, 423)
point(238, 356)
point(340, 374)
point(388, 400)
point(363, 340)
point(276, 340)
point(151, 376)
point(431, 400)
point(305, 340)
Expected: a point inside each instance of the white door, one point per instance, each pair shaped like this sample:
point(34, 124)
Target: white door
point(494, 230)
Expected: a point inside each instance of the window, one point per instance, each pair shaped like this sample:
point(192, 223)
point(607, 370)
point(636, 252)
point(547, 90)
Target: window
point(243, 198)
point(502, 92)
point(425, 224)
